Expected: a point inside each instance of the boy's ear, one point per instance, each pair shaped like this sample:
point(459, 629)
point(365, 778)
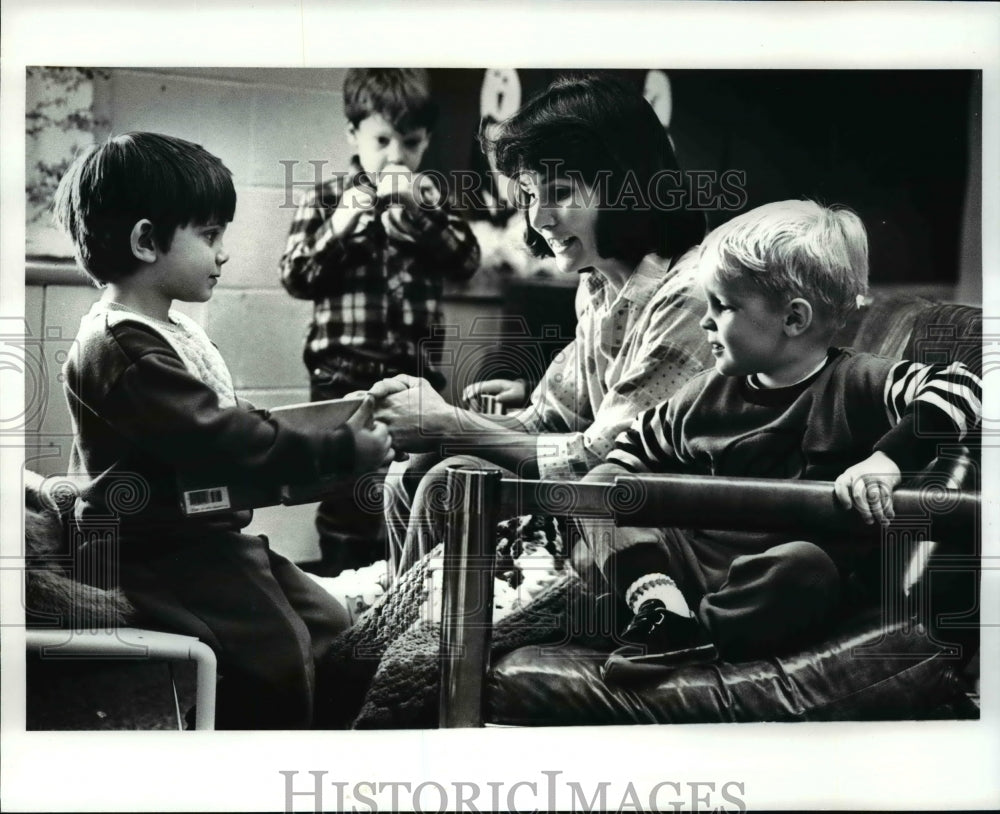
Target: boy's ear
point(352, 135)
point(798, 317)
point(142, 242)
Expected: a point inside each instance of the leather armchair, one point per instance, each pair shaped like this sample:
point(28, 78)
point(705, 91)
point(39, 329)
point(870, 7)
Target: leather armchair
point(900, 655)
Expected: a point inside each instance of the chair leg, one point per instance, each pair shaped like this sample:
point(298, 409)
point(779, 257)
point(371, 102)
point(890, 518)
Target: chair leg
point(177, 701)
point(204, 657)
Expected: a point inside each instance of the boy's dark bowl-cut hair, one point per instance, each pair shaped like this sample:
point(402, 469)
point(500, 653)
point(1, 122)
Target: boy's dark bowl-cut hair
point(401, 95)
point(601, 130)
point(109, 188)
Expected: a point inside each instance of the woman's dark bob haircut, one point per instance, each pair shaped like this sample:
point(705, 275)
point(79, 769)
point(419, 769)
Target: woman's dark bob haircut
point(601, 130)
point(109, 188)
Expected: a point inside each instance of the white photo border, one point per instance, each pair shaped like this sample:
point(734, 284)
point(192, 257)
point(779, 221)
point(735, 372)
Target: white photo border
point(870, 766)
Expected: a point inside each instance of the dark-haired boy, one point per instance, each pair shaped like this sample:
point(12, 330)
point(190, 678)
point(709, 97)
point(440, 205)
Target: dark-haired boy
point(151, 395)
point(371, 248)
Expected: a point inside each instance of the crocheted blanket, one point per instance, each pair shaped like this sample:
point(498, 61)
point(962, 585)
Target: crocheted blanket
point(384, 672)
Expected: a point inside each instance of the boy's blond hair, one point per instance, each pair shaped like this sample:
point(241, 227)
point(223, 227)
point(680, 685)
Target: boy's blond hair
point(792, 249)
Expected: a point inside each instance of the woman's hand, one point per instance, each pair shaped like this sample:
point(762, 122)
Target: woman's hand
point(415, 413)
point(355, 394)
point(867, 486)
point(510, 393)
point(396, 384)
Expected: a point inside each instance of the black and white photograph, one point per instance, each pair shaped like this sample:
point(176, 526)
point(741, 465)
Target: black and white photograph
point(532, 427)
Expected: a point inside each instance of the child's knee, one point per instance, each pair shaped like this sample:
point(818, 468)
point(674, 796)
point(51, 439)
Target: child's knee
point(803, 582)
point(804, 566)
point(772, 600)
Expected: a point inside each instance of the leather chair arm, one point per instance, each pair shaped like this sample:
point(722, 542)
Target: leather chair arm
point(934, 504)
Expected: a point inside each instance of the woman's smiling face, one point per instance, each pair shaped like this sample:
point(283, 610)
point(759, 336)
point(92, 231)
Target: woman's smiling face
point(563, 211)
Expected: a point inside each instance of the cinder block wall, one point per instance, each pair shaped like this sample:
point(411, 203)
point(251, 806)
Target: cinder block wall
point(253, 119)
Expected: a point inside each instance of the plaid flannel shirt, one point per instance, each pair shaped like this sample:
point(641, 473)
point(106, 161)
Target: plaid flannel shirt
point(375, 298)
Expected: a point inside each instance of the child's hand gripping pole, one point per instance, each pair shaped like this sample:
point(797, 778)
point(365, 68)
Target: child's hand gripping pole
point(867, 486)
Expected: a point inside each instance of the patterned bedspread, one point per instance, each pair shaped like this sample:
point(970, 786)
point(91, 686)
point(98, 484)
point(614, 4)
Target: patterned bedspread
point(384, 671)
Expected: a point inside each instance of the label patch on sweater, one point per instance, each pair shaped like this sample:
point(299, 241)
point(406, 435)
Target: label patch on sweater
point(197, 501)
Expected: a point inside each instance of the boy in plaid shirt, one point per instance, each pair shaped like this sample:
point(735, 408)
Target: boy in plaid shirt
point(371, 248)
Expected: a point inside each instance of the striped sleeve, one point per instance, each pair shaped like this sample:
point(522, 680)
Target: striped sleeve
point(646, 445)
point(927, 405)
point(954, 391)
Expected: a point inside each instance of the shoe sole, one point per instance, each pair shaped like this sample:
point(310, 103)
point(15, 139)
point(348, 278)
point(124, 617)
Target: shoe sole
point(702, 654)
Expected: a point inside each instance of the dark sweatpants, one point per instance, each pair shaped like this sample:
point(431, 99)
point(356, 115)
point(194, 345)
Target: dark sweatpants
point(267, 621)
point(761, 604)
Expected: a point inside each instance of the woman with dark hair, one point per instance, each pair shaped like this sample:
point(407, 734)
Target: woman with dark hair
point(599, 131)
point(598, 181)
